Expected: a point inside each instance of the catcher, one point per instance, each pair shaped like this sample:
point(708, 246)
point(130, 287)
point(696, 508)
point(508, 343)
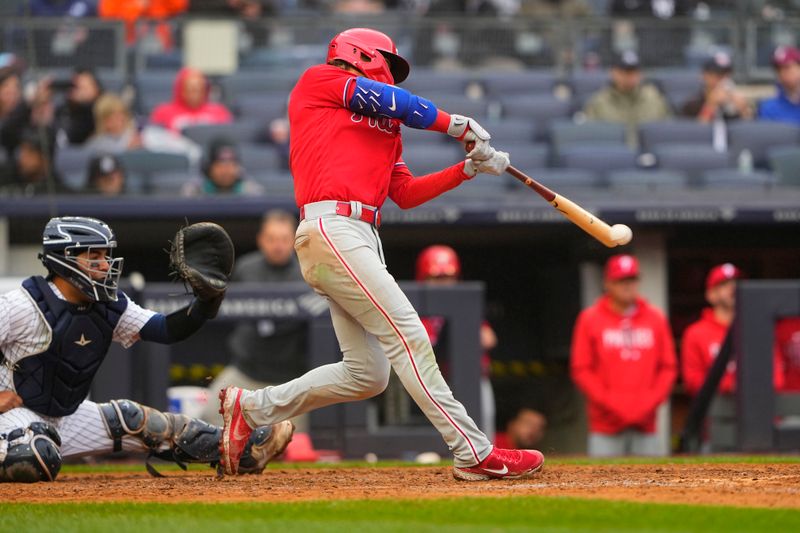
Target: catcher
point(55, 333)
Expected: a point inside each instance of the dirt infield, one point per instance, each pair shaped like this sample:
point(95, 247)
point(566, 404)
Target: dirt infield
point(751, 485)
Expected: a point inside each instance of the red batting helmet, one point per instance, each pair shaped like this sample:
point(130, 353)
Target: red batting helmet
point(438, 260)
point(371, 52)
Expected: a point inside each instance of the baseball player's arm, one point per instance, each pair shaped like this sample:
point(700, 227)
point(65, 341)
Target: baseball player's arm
point(139, 323)
point(408, 191)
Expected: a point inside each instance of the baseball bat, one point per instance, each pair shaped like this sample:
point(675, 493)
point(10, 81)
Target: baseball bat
point(611, 236)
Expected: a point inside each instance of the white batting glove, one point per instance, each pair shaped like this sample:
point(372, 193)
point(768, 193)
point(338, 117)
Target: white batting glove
point(467, 129)
point(495, 165)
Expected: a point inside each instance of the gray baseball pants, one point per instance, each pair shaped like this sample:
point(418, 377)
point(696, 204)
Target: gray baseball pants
point(376, 326)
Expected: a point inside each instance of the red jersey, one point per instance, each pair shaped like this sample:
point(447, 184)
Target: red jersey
point(338, 154)
point(787, 350)
point(699, 347)
point(625, 365)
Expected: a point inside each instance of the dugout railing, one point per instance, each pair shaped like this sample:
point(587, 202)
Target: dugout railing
point(142, 373)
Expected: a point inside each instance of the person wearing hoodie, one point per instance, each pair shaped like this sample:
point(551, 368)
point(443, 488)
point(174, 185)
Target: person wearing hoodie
point(623, 360)
point(785, 106)
point(190, 104)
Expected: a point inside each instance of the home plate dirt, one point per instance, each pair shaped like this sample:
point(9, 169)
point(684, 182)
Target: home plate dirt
point(750, 485)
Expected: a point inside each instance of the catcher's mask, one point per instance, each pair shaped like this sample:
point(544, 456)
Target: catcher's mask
point(65, 238)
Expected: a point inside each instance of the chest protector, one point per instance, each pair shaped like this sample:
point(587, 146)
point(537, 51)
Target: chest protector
point(55, 381)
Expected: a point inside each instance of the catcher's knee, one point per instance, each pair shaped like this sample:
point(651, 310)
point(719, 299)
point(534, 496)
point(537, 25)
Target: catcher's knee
point(30, 455)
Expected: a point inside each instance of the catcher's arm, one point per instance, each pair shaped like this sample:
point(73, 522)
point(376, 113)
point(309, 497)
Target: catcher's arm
point(202, 256)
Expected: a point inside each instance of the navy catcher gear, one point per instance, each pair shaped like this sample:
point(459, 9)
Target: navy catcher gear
point(66, 237)
point(30, 455)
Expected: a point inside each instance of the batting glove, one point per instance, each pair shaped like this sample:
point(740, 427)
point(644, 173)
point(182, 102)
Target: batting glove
point(496, 164)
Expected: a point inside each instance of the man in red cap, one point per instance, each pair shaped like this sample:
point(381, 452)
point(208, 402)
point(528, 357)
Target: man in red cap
point(623, 359)
point(785, 106)
point(346, 158)
point(703, 338)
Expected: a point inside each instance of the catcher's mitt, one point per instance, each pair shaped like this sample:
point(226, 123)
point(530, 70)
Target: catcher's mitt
point(202, 256)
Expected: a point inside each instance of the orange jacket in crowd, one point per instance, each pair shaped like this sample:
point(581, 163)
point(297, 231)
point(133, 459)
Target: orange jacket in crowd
point(625, 365)
point(132, 10)
point(700, 346)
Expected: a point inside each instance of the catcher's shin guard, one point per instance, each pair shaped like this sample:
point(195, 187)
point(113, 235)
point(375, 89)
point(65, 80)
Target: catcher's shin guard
point(30, 455)
point(182, 439)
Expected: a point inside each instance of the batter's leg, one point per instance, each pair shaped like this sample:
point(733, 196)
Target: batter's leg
point(362, 373)
point(342, 259)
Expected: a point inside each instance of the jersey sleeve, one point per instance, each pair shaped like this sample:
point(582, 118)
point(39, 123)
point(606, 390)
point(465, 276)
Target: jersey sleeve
point(408, 191)
point(130, 324)
point(326, 86)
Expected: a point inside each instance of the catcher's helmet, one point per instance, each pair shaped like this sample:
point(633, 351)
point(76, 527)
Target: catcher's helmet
point(66, 237)
point(370, 51)
point(436, 261)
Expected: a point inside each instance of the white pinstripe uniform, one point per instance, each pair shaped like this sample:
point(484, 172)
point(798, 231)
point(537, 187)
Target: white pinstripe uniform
point(376, 326)
point(25, 332)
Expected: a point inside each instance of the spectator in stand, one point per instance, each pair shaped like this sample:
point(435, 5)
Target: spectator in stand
point(75, 117)
point(440, 265)
point(627, 100)
point(555, 8)
point(190, 104)
point(623, 359)
point(268, 351)
point(358, 7)
point(787, 350)
point(33, 172)
point(222, 173)
point(523, 432)
point(785, 107)
point(134, 11)
point(106, 176)
point(115, 130)
point(59, 8)
point(719, 96)
point(18, 113)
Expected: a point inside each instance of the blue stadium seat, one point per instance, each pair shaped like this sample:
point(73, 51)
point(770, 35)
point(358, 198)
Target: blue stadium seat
point(424, 159)
point(482, 186)
point(415, 137)
point(565, 133)
point(260, 158)
point(677, 84)
point(758, 137)
point(731, 178)
point(694, 159)
point(265, 107)
point(543, 108)
point(584, 84)
point(500, 84)
point(687, 131)
point(142, 167)
point(647, 180)
point(601, 159)
point(168, 183)
point(278, 184)
point(70, 160)
point(259, 82)
point(153, 88)
point(785, 163)
point(511, 130)
point(242, 131)
point(525, 155)
point(462, 105)
point(558, 178)
point(430, 83)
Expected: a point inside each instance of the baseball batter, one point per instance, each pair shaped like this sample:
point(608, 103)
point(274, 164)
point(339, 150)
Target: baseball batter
point(346, 158)
point(55, 333)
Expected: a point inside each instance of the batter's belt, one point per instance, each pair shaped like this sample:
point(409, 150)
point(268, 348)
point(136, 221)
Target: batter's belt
point(353, 209)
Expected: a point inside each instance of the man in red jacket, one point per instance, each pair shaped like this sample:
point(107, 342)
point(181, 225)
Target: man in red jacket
point(703, 338)
point(787, 352)
point(623, 359)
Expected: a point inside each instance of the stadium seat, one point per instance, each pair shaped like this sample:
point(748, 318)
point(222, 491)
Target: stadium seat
point(565, 133)
point(758, 137)
point(511, 130)
point(526, 155)
point(693, 159)
point(141, 167)
point(647, 180)
point(584, 84)
point(260, 158)
point(482, 186)
point(563, 177)
point(430, 83)
point(731, 178)
point(500, 84)
point(785, 163)
point(265, 107)
point(602, 159)
point(70, 160)
point(278, 184)
point(243, 131)
point(677, 84)
point(259, 82)
point(652, 134)
point(543, 108)
point(153, 88)
point(463, 105)
point(415, 137)
point(169, 183)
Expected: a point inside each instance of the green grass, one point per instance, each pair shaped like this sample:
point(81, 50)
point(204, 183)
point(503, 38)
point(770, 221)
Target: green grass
point(551, 461)
point(465, 514)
